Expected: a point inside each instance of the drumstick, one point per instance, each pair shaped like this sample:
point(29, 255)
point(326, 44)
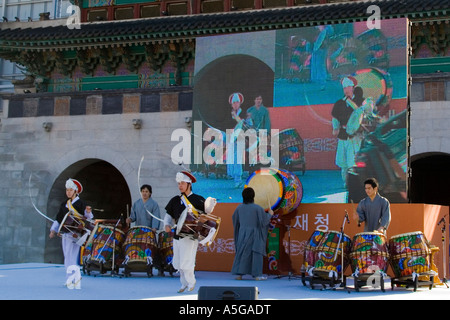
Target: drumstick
point(114, 251)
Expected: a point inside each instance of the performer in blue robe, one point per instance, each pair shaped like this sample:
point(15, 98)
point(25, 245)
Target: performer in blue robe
point(145, 211)
point(374, 210)
point(260, 115)
point(251, 224)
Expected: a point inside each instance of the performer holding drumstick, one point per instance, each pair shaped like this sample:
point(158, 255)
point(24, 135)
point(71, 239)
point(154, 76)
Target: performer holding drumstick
point(141, 208)
point(71, 249)
point(374, 210)
point(251, 226)
point(185, 249)
point(348, 145)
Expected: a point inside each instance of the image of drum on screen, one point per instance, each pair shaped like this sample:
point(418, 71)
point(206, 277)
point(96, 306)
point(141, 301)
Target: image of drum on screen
point(292, 150)
point(377, 84)
point(276, 189)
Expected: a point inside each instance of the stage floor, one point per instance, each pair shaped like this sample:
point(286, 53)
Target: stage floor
point(40, 281)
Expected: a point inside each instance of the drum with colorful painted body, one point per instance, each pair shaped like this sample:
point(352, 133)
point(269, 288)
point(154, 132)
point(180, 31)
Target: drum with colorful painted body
point(203, 227)
point(410, 253)
point(165, 247)
point(276, 189)
point(376, 84)
point(311, 248)
point(140, 246)
point(328, 256)
point(105, 245)
point(291, 148)
point(77, 225)
point(375, 46)
point(369, 253)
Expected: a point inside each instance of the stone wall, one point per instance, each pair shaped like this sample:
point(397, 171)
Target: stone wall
point(430, 130)
point(429, 120)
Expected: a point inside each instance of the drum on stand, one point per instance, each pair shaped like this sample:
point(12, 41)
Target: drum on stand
point(369, 253)
point(276, 189)
point(310, 249)
point(293, 192)
point(410, 254)
point(165, 248)
point(104, 247)
point(328, 255)
point(280, 191)
point(139, 250)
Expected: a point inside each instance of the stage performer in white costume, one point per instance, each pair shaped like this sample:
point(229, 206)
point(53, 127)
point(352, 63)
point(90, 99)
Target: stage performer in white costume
point(71, 249)
point(185, 248)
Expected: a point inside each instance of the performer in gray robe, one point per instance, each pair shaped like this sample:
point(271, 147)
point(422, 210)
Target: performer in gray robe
point(145, 211)
point(374, 210)
point(251, 224)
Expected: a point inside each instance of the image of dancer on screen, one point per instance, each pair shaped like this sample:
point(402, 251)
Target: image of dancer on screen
point(348, 144)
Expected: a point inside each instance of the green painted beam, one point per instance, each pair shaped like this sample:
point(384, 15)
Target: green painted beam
point(430, 65)
point(110, 82)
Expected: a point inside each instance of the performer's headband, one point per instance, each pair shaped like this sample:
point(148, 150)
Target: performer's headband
point(236, 97)
point(349, 82)
point(185, 176)
point(75, 185)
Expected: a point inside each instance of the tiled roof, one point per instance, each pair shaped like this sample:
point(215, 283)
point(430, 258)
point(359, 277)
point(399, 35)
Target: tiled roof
point(100, 34)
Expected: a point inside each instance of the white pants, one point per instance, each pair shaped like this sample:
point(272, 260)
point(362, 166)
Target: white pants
point(184, 253)
point(71, 251)
point(345, 154)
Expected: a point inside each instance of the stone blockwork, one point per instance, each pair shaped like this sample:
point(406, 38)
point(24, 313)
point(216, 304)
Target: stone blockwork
point(430, 131)
point(97, 102)
point(62, 106)
point(429, 116)
point(94, 104)
point(131, 103)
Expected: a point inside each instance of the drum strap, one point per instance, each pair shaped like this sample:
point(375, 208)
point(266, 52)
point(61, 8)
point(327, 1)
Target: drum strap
point(72, 209)
point(351, 104)
point(187, 204)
